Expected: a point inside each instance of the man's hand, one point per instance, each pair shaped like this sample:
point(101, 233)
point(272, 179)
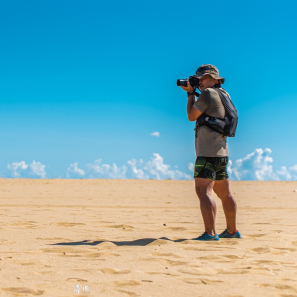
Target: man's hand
point(188, 88)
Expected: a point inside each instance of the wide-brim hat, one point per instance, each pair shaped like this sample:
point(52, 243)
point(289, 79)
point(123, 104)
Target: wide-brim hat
point(210, 70)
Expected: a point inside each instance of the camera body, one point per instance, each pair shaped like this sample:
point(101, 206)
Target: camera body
point(194, 82)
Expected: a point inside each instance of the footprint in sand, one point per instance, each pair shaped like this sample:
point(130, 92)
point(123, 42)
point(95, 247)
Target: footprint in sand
point(229, 242)
point(177, 228)
point(127, 283)
point(207, 257)
point(22, 290)
point(66, 251)
point(114, 271)
point(268, 262)
point(151, 259)
point(193, 248)
point(275, 251)
point(198, 281)
point(28, 263)
point(175, 263)
point(233, 257)
point(288, 280)
point(75, 279)
point(255, 235)
point(197, 271)
point(165, 255)
point(93, 255)
point(66, 224)
point(286, 249)
point(50, 238)
point(280, 287)
point(234, 271)
point(261, 250)
point(132, 294)
point(192, 281)
point(25, 224)
point(263, 271)
point(122, 226)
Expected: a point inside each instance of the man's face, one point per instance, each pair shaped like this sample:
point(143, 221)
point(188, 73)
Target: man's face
point(206, 82)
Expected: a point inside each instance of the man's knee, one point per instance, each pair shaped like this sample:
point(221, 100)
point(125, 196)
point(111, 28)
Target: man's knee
point(222, 194)
point(221, 188)
point(203, 186)
point(228, 198)
point(202, 191)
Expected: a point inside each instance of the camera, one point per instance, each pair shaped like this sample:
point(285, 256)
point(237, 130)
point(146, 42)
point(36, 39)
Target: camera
point(194, 82)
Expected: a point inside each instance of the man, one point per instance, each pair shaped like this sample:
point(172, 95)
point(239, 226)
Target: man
point(211, 147)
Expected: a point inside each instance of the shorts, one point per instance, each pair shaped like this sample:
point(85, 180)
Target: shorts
point(214, 168)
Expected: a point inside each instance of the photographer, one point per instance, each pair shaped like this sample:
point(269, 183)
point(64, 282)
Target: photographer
point(211, 147)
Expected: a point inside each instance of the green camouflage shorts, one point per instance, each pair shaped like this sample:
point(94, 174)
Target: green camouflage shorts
point(214, 168)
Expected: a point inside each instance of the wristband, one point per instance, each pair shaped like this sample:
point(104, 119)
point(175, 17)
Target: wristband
point(190, 94)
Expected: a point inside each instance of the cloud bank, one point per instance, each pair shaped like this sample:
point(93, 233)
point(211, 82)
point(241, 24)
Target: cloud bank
point(258, 166)
point(134, 169)
point(23, 170)
point(255, 166)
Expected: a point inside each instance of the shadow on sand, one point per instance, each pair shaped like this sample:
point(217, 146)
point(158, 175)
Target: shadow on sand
point(137, 242)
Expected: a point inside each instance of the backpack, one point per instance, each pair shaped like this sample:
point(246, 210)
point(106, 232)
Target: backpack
point(226, 126)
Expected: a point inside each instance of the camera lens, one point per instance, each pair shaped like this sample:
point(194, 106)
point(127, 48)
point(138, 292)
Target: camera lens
point(182, 82)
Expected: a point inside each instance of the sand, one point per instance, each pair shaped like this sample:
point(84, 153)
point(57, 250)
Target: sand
point(133, 238)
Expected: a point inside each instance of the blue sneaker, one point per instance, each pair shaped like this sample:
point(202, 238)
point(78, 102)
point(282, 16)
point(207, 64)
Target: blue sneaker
point(225, 234)
point(207, 237)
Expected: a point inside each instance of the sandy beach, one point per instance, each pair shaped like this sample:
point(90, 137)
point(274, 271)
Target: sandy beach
point(134, 238)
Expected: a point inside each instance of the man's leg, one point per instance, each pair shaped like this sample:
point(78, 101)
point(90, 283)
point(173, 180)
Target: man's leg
point(207, 204)
point(222, 189)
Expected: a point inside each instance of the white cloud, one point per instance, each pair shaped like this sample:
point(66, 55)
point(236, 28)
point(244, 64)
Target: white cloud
point(133, 171)
point(16, 169)
point(284, 174)
point(74, 172)
point(23, 170)
point(191, 167)
point(258, 166)
point(294, 168)
point(137, 169)
point(255, 166)
point(156, 169)
point(98, 170)
point(156, 134)
point(37, 169)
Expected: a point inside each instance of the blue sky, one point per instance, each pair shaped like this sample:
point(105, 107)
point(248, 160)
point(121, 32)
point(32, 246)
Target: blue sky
point(83, 81)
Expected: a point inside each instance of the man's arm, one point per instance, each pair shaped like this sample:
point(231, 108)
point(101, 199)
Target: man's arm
point(192, 112)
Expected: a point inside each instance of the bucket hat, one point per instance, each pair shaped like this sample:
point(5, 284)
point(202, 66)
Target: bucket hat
point(210, 70)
